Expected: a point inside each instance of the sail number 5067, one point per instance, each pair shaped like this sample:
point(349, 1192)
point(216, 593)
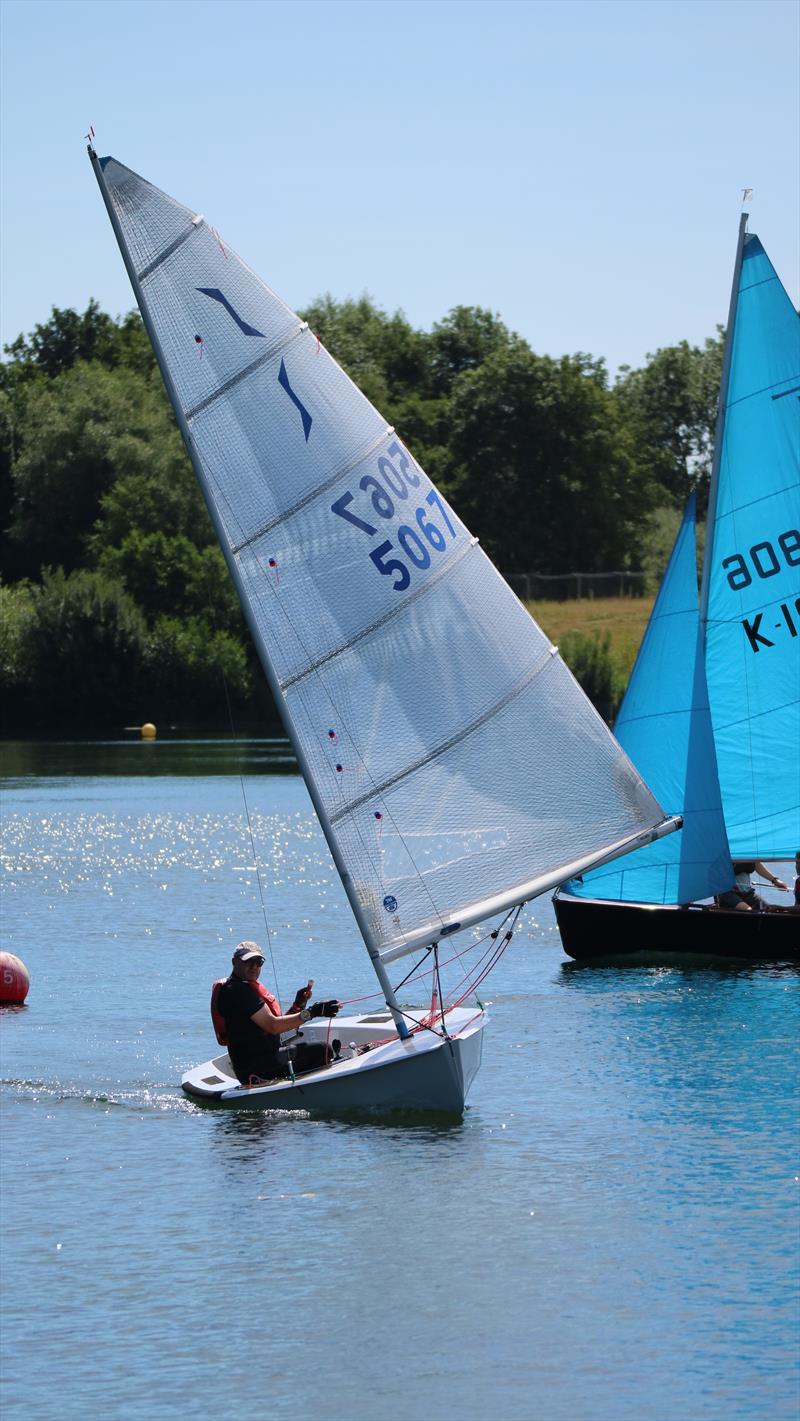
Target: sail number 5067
point(764, 558)
point(417, 537)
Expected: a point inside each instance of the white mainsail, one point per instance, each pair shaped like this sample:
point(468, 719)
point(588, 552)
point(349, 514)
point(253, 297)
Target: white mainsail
point(456, 766)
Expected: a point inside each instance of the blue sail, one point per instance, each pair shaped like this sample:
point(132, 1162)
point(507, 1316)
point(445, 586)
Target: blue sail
point(753, 571)
point(665, 727)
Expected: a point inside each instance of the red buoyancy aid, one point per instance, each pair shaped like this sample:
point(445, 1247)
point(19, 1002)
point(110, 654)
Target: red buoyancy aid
point(220, 1030)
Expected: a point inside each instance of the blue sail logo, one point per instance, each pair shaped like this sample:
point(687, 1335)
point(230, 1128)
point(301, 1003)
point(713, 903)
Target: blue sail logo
point(283, 379)
point(248, 330)
point(216, 295)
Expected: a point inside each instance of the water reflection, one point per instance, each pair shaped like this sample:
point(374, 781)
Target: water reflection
point(259, 1125)
point(168, 755)
point(245, 1127)
point(596, 976)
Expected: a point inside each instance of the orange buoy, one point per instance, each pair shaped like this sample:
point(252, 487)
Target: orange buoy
point(14, 978)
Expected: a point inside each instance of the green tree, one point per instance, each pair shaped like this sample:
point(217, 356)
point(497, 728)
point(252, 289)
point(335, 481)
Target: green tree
point(172, 575)
point(464, 340)
point(192, 670)
point(86, 647)
point(391, 363)
point(671, 407)
point(591, 663)
point(17, 626)
point(546, 474)
point(383, 354)
point(80, 433)
point(68, 337)
point(550, 468)
point(164, 498)
point(133, 349)
point(9, 554)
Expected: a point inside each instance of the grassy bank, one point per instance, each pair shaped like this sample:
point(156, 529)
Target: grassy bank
point(623, 618)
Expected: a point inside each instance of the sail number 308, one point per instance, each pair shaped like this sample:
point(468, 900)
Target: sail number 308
point(418, 538)
point(764, 558)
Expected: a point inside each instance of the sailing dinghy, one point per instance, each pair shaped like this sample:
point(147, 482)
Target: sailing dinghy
point(456, 768)
point(711, 715)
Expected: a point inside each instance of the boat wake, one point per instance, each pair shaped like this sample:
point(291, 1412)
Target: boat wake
point(155, 1097)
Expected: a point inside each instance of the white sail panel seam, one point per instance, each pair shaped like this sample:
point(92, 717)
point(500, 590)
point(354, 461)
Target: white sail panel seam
point(167, 252)
point(653, 715)
point(751, 503)
point(755, 715)
point(367, 846)
point(764, 389)
point(748, 609)
point(341, 473)
point(547, 659)
point(247, 370)
point(367, 631)
point(765, 281)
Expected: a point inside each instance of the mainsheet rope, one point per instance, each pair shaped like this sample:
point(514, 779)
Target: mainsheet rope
point(417, 973)
point(250, 828)
point(499, 938)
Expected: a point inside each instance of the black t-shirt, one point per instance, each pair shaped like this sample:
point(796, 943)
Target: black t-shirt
point(252, 1051)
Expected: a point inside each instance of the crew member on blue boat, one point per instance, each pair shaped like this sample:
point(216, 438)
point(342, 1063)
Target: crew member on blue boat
point(743, 895)
point(254, 1023)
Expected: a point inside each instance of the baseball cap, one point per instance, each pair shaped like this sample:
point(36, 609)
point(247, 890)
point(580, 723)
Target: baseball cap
point(248, 952)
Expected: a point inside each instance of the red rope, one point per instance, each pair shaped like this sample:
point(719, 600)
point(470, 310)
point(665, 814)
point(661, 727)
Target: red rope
point(418, 976)
point(489, 959)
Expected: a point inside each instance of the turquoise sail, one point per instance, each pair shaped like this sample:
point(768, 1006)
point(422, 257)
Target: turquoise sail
point(664, 725)
point(752, 617)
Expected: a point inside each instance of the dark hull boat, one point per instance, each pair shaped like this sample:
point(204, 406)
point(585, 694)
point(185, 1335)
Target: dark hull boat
point(711, 716)
point(594, 930)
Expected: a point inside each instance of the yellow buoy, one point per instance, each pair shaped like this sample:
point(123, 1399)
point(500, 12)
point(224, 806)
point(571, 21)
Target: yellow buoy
point(148, 731)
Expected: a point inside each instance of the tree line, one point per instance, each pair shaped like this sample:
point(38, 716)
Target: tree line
point(115, 601)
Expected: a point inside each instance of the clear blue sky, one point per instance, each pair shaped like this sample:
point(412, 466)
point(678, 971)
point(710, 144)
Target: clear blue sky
point(576, 167)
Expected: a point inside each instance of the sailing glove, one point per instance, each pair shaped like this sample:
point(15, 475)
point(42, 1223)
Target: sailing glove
point(301, 997)
point(325, 1008)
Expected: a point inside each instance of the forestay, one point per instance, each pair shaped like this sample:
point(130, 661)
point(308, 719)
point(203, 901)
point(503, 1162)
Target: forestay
point(665, 726)
point(753, 556)
point(456, 765)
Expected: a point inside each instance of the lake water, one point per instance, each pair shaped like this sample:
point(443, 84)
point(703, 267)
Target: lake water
point(611, 1234)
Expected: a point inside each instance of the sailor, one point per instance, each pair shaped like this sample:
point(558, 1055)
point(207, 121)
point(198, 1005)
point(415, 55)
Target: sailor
point(254, 1022)
point(743, 895)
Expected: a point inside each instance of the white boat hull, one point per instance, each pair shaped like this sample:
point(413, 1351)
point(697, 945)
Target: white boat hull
point(427, 1072)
